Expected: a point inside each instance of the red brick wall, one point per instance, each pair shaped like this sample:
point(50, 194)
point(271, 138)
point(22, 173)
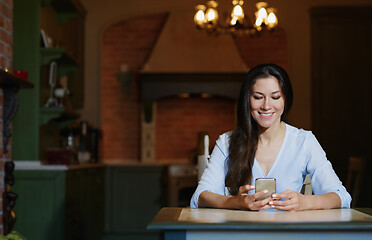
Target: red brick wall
point(177, 120)
point(267, 47)
point(6, 54)
point(6, 33)
point(128, 42)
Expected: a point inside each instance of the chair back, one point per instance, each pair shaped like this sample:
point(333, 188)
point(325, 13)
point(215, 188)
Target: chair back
point(306, 186)
point(203, 158)
point(355, 177)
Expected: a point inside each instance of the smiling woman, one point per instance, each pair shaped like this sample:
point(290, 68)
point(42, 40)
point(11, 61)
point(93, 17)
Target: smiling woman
point(262, 145)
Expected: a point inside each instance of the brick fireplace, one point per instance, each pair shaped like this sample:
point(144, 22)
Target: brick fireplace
point(183, 106)
point(127, 47)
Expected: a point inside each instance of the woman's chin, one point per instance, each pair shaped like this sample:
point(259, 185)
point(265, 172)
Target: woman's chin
point(267, 124)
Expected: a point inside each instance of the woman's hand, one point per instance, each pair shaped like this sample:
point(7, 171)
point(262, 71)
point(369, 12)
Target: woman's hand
point(240, 201)
point(296, 201)
point(249, 201)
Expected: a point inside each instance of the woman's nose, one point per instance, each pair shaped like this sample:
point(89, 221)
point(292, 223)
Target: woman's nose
point(266, 104)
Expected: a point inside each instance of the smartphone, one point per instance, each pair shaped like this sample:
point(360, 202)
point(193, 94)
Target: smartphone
point(268, 184)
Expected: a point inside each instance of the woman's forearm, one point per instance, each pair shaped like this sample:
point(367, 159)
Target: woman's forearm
point(324, 201)
point(209, 199)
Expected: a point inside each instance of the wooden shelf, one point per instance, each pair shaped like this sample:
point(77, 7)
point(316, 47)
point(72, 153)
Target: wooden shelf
point(59, 115)
point(8, 80)
point(46, 114)
point(66, 62)
point(65, 9)
point(49, 54)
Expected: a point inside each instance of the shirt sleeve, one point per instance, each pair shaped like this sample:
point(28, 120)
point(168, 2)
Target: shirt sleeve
point(213, 178)
point(323, 177)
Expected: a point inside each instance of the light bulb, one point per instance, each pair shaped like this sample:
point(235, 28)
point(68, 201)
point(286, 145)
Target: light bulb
point(258, 21)
point(262, 13)
point(237, 11)
point(211, 15)
point(211, 12)
point(271, 20)
point(233, 21)
point(199, 17)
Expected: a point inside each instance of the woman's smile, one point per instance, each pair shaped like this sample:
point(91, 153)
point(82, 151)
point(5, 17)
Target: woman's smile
point(266, 115)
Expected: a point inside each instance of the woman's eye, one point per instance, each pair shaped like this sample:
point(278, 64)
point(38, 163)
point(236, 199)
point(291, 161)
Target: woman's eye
point(257, 97)
point(275, 98)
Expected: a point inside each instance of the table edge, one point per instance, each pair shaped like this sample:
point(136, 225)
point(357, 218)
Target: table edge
point(167, 219)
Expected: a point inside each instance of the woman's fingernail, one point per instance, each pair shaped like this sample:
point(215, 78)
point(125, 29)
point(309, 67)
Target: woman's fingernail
point(272, 206)
point(266, 191)
point(271, 203)
point(274, 195)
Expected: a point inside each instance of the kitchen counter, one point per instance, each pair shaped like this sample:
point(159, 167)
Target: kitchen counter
point(37, 165)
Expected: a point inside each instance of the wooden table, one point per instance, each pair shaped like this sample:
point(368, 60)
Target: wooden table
point(216, 224)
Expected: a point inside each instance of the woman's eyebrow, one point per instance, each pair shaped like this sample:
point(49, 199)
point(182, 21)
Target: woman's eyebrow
point(275, 92)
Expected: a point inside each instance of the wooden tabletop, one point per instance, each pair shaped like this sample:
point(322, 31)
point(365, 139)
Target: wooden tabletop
point(208, 218)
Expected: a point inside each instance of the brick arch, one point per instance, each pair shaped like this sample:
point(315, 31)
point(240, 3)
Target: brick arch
point(129, 42)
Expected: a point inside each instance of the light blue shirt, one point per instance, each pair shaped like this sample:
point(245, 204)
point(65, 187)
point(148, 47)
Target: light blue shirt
point(299, 155)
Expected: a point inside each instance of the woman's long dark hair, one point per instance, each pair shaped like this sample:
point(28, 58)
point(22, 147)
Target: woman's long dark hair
point(244, 138)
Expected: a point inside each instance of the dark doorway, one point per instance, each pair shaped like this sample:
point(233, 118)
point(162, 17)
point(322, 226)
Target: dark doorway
point(342, 87)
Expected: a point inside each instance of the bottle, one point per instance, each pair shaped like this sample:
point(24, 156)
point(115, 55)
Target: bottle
point(70, 145)
point(84, 154)
point(95, 135)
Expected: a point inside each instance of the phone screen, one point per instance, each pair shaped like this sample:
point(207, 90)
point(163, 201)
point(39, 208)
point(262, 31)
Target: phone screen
point(268, 184)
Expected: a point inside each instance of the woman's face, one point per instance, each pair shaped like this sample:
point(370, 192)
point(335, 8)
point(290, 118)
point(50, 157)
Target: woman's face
point(267, 102)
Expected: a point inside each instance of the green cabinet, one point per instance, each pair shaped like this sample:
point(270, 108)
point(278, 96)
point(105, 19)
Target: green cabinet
point(63, 21)
point(134, 195)
point(60, 204)
point(95, 203)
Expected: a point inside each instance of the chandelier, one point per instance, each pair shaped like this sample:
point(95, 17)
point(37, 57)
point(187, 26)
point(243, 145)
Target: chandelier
point(207, 18)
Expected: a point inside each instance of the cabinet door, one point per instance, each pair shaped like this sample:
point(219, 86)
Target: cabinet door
point(134, 197)
point(40, 204)
point(73, 210)
point(84, 204)
point(342, 85)
point(92, 194)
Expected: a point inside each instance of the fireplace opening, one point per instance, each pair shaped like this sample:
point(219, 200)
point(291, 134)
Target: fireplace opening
point(176, 106)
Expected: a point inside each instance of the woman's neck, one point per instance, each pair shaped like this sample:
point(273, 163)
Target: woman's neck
point(268, 135)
